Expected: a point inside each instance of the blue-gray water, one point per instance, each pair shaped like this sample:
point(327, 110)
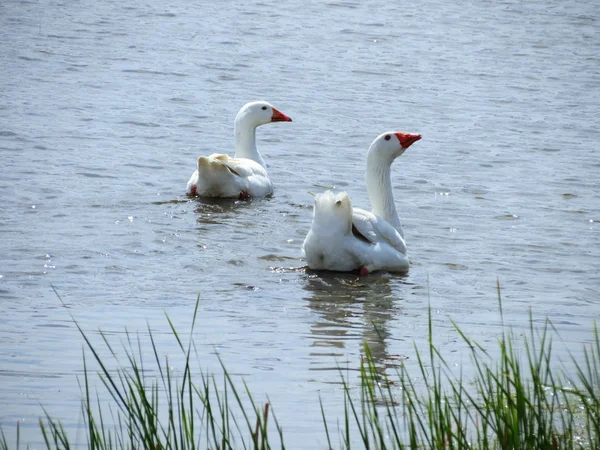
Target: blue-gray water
point(105, 106)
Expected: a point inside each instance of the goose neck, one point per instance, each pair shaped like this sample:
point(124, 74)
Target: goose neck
point(381, 194)
point(245, 143)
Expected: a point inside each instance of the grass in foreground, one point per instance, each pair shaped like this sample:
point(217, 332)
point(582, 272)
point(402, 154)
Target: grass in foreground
point(520, 402)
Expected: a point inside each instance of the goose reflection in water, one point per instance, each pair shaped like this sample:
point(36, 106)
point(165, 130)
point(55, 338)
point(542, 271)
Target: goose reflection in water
point(223, 227)
point(350, 308)
point(223, 210)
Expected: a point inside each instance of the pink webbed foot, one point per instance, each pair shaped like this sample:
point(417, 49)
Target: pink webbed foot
point(363, 271)
point(244, 195)
point(193, 190)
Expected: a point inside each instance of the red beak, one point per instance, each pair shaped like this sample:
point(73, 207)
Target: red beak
point(278, 116)
point(406, 139)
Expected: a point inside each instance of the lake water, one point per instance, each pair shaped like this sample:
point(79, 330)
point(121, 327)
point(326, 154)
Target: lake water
point(105, 106)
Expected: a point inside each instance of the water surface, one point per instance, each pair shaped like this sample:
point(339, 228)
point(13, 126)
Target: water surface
point(105, 106)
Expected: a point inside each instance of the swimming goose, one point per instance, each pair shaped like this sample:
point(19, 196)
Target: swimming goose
point(343, 238)
point(244, 175)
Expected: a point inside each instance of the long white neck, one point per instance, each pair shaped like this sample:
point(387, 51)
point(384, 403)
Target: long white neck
point(379, 187)
point(245, 142)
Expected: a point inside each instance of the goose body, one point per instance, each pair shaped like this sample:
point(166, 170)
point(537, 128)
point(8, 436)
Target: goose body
point(245, 175)
point(220, 175)
point(343, 238)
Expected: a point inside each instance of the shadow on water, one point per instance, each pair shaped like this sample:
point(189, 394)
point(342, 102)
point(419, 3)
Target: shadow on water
point(352, 308)
point(220, 210)
point(223, 204)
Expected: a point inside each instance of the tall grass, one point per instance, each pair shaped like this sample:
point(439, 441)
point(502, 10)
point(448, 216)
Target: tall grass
point(521, 401)
point(160, 412)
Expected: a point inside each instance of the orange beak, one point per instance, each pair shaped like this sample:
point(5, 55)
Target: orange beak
point(278, 116)
point(406, 139)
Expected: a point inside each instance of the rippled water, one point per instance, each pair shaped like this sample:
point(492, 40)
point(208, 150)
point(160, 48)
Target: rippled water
point(105, 106)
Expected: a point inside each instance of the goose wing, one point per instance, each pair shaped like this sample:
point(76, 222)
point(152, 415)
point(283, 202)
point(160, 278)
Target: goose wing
point(242, 167)
point(369, 227)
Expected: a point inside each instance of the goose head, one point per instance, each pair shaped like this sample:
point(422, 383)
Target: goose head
point(333, 212)
point(388, 146)
point(255, 114)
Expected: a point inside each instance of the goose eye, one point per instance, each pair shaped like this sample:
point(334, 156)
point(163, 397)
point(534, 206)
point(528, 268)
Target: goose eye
point(338, 202)
point(387, 137)
point(264, 108)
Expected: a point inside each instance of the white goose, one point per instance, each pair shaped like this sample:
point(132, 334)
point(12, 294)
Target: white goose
point(244, 175)
point(342, 238)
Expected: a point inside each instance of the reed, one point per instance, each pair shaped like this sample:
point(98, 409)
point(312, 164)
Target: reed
point(520, 401)
point(160, 412)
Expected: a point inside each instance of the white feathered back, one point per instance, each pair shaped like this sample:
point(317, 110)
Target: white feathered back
point(332, 213)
